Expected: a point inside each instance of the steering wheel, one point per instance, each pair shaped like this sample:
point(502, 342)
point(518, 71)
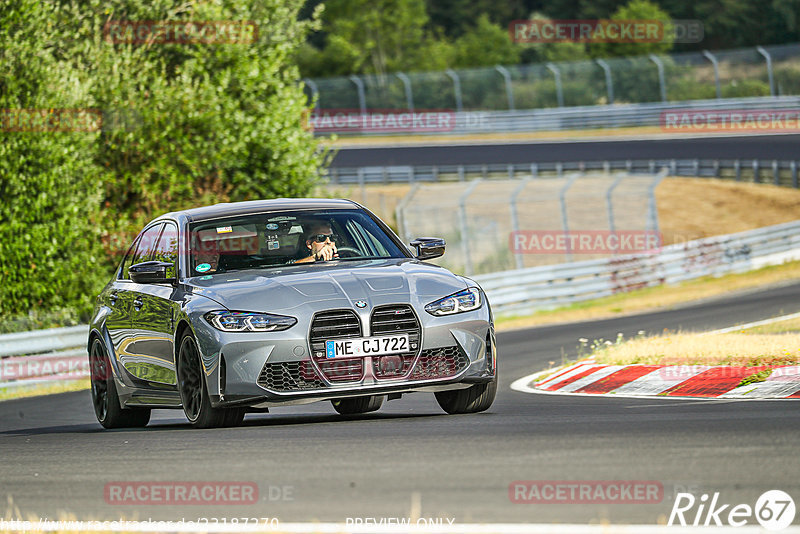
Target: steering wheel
point(352, 251)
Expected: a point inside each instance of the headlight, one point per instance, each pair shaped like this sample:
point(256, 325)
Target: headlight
point(463, 301)
point(230, 321)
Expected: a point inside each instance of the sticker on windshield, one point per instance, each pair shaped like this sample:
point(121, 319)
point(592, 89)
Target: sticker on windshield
point(272, 226)
point(203, 267)
point(224, 230)
point(273, 245)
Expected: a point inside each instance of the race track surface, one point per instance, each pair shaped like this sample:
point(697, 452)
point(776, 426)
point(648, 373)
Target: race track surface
point(56, 458)
point(780, 147)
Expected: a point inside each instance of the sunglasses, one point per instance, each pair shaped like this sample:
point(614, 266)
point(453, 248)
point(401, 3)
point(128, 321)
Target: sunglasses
point(320, 238)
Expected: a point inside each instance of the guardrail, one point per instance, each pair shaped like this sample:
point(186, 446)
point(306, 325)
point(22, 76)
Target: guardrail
point(43, 356)
point(590, 117)
point(778, 172)
point(525, 290)
point(675, 77)
point(55, 355)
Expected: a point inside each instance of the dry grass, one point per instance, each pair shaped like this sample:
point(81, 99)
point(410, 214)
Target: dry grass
point(691, 208)
point(699, 349)
point(390, 140)
point(48, 389)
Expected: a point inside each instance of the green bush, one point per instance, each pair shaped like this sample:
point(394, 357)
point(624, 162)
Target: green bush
point(744, 88)
point(186, 125)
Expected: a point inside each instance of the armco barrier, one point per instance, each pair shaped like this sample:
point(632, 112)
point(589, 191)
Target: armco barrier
point(44, 356)
point(777, 172)
point(526, 290)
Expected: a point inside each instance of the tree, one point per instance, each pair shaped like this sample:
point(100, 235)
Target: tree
point(643, 10)
point(485, 45)
point(374, 37)
point(184, 125)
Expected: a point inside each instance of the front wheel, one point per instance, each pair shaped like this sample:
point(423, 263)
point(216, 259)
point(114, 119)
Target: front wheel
point(107, 408)
point(357, 405)
point(473, 399)
point(194, 394)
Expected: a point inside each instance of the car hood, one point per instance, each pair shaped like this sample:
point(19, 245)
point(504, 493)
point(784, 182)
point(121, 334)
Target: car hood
point(300, 288)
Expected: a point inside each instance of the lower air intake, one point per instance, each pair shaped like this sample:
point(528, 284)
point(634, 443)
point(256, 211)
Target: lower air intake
point(289, 376)
point(439, 363)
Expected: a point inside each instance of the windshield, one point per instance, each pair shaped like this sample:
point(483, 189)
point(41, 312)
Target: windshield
point(277, 239)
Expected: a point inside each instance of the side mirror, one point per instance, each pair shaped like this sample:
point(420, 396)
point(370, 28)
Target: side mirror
point(428, 247)
point(150, 272)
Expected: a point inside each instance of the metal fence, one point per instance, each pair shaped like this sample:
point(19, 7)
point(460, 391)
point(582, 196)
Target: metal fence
point(479, 218)
point(526, 290)
point(599, 116)
point(43, 356)
point(760, 71)
point(777, 172)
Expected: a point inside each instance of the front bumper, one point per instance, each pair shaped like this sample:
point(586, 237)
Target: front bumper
point(276, 368)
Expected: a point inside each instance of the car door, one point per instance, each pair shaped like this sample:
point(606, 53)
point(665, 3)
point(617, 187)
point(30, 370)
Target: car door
point(153, 317)
point(133, 351)
point(118, 299)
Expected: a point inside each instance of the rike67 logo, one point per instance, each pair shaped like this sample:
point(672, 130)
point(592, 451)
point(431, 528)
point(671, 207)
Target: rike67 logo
point(774, 510)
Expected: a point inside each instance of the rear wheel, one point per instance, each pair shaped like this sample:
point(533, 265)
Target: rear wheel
point(357, 405)
point(194, 394)
point(106, 403)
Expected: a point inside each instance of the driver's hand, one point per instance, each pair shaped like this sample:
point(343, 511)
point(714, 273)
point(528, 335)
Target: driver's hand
point(327, 252)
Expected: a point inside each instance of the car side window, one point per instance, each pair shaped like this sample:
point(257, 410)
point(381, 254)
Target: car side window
point(147, 243)
point(167, 248)
point(123, 272)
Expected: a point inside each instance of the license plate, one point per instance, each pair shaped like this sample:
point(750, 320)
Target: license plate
point(366, 346)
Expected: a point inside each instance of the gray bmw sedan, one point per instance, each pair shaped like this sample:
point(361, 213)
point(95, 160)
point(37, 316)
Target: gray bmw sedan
point(237, 307)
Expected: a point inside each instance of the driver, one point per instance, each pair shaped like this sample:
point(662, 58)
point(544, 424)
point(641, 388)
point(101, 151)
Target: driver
point(321, 243)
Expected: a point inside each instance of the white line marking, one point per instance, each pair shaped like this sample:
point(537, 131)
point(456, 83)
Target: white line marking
point(753, 324)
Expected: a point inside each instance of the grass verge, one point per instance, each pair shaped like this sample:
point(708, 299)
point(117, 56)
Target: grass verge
point(736, 349)
point(655, 298)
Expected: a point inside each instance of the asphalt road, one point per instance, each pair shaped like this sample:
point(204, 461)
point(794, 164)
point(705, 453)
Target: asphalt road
point(732, 147)
point(310, 463)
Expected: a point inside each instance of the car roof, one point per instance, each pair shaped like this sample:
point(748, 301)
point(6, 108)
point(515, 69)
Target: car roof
point(259, 206)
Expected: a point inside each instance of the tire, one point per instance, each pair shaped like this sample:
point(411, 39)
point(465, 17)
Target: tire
point(194, 393)
point(473, 399)
point(357, 405)
point(105, 399)
point(477, 398)
point(234, 416)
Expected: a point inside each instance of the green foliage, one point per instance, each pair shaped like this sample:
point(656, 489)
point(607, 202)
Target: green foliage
point(50, 211)
point(184, 125)
point(636, 10)
point(374, 37)
point(744, 88)
point(486, 44)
